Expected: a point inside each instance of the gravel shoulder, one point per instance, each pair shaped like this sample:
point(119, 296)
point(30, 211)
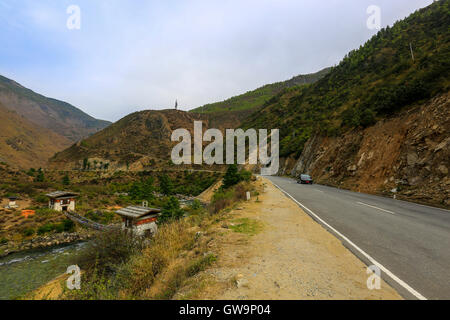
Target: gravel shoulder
point(270, 249)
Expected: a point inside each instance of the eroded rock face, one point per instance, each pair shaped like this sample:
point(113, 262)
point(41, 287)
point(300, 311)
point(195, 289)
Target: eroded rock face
point(409, 153)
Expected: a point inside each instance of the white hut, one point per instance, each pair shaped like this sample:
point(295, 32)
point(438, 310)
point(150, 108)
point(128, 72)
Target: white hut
point(62, 201)
point(12, 203)
point(142, 220)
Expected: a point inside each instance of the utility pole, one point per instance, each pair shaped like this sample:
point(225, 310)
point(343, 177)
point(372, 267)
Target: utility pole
point(412, 52)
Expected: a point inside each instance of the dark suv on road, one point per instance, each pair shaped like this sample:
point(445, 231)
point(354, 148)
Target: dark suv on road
point(305, 179)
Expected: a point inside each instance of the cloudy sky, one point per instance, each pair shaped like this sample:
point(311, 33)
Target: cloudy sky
point(135, 55)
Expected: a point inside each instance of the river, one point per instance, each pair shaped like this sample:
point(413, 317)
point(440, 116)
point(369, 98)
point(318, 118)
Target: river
point(23, 272)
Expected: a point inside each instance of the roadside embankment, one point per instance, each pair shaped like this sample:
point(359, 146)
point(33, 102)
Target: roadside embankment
point(268, 248)
point(405, 156)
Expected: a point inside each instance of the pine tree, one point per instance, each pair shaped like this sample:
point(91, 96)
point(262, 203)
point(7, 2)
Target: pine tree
point(40, 176)
point(231, 177)
point(171, 210)
point(166, 185)
point(66, 180)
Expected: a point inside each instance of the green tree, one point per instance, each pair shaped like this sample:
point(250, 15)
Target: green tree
point(31, 172)
point(40, 176)
point(171, 210)
point(66, 180)
point(142, 190)
point(85, 163)
point(166, 185)
point(232, 177)
point(148, 189)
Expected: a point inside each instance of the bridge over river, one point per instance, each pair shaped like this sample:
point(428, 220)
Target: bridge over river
point(75, 217)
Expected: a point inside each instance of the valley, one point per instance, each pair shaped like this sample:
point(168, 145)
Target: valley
point(373, 132)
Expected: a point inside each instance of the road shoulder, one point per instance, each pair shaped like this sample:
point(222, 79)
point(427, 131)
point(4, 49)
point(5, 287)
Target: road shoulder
point(268, 248)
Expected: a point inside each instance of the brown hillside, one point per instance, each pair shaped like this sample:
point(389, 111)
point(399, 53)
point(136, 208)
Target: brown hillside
point(52, 114)
point(140, 140)
point(24, 144)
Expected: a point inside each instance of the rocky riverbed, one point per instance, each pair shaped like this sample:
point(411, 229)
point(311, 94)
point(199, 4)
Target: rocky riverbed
point(42, 242)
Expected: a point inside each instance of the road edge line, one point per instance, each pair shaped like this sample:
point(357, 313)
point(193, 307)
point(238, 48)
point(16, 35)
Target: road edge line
point(361, 251)
point(374, 207)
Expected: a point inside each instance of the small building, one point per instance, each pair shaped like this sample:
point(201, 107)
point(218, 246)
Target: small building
point(12, 203)
point(140, 219)
point(62, 201)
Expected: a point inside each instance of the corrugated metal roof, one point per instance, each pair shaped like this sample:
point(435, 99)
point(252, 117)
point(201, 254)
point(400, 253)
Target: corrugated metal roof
point(136, 212)
point(58, 194)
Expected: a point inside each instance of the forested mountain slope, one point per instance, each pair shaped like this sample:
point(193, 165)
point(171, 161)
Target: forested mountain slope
point(371, 83)
point(379, 121)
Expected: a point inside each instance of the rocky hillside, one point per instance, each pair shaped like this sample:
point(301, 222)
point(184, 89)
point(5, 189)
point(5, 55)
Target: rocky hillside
point(25, 145)
point(406, 155)
point(58, 116)
point(141, 140)
point(379, 121)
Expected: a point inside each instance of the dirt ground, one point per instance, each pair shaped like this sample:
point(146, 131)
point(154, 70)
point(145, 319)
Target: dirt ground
point(286, 255)
point(21, 203)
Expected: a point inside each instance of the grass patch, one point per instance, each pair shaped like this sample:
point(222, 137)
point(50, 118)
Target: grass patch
point(247, 226)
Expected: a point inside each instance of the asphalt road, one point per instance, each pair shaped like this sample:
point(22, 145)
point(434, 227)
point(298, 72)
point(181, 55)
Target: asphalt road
point(411, 242)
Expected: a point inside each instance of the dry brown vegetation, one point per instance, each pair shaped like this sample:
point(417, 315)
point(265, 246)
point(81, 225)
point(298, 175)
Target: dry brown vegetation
point(166, 263)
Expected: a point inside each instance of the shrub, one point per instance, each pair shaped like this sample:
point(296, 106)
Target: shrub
point(195, 205)
point(108, 250)
point(49, 227)
point(221, 199)
point(31, 172)
point(100, 217)
point(42, 198)
point(245, 175)
point(367, 118)
point(66, 180)
point(40, 176)
point(65, 226)
point(28, 232)
point(68, 225)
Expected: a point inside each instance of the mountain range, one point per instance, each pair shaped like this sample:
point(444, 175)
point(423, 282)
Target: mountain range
point(24, 144)
point(58, 116)
point(34, 127)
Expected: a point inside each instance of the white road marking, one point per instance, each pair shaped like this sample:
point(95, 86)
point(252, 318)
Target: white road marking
point(423, 205)
point(372, 260)
point(368, 205)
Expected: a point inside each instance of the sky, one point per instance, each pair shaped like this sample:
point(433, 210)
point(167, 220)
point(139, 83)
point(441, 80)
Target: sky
point(135, 55)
